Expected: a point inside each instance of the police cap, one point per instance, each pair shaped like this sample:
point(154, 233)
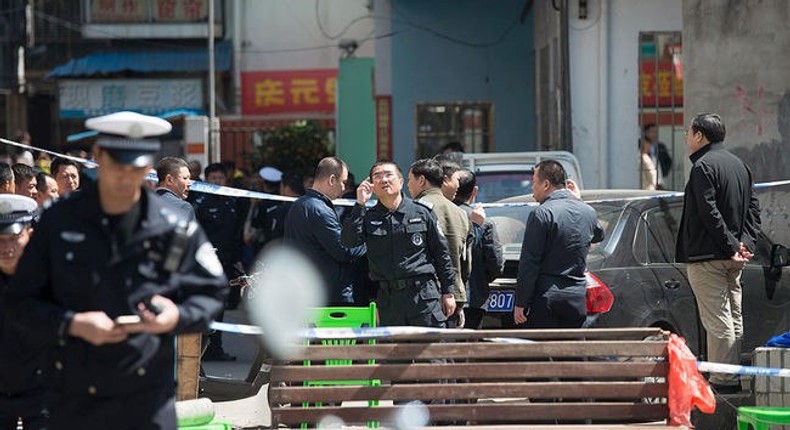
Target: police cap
point(126, 136)
point(270, 174)
point(16, 212)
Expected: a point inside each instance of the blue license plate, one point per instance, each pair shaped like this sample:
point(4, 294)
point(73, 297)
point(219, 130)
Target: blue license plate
point(500, 301)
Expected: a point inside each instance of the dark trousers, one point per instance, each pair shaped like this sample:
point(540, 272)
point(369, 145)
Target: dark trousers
point(474, 317)
point(150, 410)
point(414, 305)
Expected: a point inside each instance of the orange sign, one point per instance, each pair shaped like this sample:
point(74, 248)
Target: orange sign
point(660, 86)
point(288, 91)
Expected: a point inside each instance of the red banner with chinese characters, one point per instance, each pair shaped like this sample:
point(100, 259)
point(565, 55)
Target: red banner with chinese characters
point(660, 86)
point(286, 91)
point(384, 127)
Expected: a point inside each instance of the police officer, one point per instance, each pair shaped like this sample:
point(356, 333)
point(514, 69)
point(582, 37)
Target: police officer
point(110, 276)
point(22, 384)
point(406, 251)
point(223, 223)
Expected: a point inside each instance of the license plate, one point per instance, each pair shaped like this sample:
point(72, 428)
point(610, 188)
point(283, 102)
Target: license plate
point(500, 301)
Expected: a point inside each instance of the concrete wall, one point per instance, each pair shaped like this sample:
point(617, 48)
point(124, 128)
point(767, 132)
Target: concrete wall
point(604, 84)
point(736, 61)
point(427, 67)
point(279, 34)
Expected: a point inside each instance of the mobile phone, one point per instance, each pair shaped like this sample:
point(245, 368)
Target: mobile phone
point(128, 320)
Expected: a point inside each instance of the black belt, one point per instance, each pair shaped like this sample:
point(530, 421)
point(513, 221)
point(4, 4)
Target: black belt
point(400, 284)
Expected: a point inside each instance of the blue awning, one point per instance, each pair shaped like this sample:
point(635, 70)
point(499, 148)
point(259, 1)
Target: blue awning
point(181, 60)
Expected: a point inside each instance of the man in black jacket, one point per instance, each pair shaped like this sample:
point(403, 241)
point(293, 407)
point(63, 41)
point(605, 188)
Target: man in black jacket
point(718, 230)
point(313, 227)
point(110, 276)
point(487, 258)
point(551, 282)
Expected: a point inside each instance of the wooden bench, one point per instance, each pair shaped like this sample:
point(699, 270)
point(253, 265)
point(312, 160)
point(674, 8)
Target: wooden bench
point(484, 377)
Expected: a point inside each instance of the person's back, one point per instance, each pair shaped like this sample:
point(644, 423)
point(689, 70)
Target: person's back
point(732, 179)
point(313, 227)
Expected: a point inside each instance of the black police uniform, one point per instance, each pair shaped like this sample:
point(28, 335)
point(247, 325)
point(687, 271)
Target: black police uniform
point(406, 252)
point(81, 260)
point(22, 379)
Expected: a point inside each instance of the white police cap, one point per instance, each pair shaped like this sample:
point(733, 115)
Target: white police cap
point(270, 174)
point(126, 136)
point(16, 212)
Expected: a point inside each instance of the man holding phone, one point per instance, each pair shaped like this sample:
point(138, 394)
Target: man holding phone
point(100, 257)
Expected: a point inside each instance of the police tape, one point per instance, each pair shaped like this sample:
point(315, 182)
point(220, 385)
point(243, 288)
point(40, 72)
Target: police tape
point(204, 187)
point(732, 369)
point(336, 333)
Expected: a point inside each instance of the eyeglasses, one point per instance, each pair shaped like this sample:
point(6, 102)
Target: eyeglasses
point(383, 175)
point(687, 132)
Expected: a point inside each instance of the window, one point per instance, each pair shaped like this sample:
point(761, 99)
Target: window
point(441, 123)
point(656, 234)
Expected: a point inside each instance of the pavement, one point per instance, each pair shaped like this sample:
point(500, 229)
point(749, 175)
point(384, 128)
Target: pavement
point(253, 412)
point(247, 413)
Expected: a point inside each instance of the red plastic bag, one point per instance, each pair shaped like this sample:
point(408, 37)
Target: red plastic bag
point(687, 387)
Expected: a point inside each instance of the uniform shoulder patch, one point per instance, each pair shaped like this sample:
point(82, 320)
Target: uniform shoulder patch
point(425, 203)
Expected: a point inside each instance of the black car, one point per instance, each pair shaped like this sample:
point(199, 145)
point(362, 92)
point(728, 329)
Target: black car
point(634, 280)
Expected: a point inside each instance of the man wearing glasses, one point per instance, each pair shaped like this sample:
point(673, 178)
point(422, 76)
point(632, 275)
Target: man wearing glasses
point(405, 250)
point(718, 229)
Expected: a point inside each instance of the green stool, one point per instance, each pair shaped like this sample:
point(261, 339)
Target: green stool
point(345, 317)
point(762, 417)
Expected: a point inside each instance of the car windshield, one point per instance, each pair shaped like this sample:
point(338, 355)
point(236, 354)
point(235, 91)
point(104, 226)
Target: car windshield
point(510, 221)
point(498, 185)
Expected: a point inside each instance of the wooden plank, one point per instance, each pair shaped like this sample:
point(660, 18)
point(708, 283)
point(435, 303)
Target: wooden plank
point(481, 390)
point(471, 371)
point(480, 351)
point(634, 333)
point(188, 365)
point(482, 413)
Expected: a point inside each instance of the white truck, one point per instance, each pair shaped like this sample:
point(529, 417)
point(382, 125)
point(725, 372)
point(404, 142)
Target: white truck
point(506, 174)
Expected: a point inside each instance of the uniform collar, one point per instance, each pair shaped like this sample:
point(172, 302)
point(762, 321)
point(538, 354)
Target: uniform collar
point(156, 219)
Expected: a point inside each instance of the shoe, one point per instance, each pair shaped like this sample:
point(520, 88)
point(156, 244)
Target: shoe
point(218, 356)
point(725, 389)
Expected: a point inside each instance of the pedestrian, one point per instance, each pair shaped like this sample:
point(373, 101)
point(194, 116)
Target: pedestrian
point(24, 180)
point(47, 189)
point(22, 358)
point(405, 250)
point(313, 227)
point(220, 218)
point(173, 186)
point(486, 249)
point(66, 173)
point(717, 235)
point(109, 277)
point(426, 177)
point(7, 183)
point(551, 285)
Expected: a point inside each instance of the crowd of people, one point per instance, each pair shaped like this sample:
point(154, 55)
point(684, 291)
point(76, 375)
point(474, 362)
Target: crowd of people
point(95, 285)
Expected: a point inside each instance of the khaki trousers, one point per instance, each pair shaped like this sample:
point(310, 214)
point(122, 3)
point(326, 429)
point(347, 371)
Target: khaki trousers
point(717, 286)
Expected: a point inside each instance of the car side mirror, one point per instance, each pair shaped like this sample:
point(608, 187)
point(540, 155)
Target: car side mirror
point(780, 256)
